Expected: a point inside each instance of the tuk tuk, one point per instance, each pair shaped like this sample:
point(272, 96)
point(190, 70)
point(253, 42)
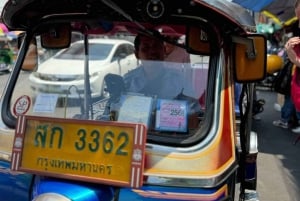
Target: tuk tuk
point(82, 118)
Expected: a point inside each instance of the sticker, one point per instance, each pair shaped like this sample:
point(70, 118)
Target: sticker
point(45, 103)
point(22, 105)
point(171, 115)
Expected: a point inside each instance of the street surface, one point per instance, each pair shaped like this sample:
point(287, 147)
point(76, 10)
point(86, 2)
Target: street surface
point(278, 161)
point(3, 80)
point(278, 158)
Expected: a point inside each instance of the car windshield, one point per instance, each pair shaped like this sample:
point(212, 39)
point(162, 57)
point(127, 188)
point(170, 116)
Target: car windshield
point(97, 51)
point(129, 76)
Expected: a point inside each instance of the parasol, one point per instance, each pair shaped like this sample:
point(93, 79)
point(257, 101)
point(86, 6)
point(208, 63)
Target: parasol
point(281, 11)
point(3, 29)
point(12, 34)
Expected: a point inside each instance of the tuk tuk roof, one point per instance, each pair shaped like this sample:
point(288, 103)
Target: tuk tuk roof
point(25, 14)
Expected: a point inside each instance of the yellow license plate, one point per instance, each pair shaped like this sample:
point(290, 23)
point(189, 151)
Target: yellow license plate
point(103, 152)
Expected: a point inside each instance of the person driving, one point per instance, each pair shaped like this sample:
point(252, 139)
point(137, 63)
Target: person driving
point(174, 53)
point(152, 77)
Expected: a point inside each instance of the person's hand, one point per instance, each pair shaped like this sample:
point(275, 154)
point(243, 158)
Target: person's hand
point(290, 50)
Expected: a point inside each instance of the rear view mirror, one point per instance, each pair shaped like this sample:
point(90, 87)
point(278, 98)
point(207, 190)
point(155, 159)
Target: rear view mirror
point(197, 41)
point(250, 57)
point(56, 37)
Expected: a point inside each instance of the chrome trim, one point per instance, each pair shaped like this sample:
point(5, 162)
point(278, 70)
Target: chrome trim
point(183, 182)
point(253, 143)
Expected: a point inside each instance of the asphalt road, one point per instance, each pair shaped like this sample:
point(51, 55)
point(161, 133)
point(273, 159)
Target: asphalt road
point(3, 80)
point(278, 158)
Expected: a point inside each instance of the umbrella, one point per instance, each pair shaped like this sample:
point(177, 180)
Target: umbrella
point(13, 34)
point(3, 28)
point(281, 11)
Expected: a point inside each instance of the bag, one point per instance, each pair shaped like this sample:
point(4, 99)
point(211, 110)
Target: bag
point(282, 82)
point(295, 89)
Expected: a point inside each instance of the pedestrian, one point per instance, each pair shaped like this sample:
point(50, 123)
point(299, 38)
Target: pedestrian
point(282, 85)
point(292, 48)
point(287, 114)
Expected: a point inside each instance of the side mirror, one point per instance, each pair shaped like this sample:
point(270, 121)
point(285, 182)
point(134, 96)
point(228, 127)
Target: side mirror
point(31, 58)
point(56, 37)
point(122, 56)
point(250, 57)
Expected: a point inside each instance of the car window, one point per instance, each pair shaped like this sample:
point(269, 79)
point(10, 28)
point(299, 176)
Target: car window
point(120, 52)
point(97, 51)
point(130, 49)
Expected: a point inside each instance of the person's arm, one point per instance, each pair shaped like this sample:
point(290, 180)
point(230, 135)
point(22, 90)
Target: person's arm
point(292, 47)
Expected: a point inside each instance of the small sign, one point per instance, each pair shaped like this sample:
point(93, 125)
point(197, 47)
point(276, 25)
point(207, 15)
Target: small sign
point(171, 115)
point(135, 109)
point(96, 151)
point(22, 105)
point(45, 103)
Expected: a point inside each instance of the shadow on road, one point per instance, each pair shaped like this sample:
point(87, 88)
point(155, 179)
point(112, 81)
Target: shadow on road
point(278, 160)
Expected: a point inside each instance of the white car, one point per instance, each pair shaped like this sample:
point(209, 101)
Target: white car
point(66, 68)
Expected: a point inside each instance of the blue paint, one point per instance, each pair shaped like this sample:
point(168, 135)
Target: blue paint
point(74, 190)
point(14, 186)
